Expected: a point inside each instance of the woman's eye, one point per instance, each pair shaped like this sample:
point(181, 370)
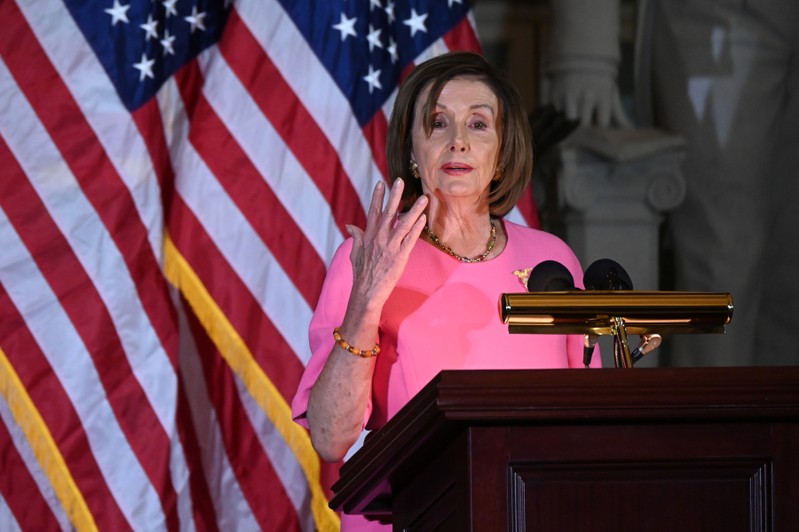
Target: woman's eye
point(479, 124)
point(439, 120)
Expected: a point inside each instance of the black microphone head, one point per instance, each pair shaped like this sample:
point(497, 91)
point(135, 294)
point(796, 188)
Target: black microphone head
point(606, 274)
point(550, 276)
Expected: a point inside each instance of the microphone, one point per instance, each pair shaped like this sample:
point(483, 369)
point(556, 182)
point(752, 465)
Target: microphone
point(589, 341)
point(606, 274)
point(550, 276)
point(649, 342)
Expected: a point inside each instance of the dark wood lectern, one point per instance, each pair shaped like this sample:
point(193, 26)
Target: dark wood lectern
point(642, 449)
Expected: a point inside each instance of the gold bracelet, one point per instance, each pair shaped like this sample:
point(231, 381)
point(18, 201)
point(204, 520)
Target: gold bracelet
point(354, 350)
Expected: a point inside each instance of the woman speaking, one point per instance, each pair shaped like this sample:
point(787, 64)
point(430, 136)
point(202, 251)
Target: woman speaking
point(416, 291)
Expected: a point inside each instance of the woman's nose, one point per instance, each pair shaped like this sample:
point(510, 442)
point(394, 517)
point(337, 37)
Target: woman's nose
point(458, 142)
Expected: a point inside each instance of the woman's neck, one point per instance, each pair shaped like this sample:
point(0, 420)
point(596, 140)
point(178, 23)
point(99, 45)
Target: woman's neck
point(465, 231)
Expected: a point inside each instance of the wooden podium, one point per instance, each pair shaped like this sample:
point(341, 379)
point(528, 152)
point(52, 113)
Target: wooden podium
point(680, 449)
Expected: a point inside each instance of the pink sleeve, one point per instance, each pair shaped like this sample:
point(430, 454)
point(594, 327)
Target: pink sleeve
point(328, 315)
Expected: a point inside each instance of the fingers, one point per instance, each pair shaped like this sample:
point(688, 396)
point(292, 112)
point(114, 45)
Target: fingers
point(619, 114)
point(411, 224)
point(382, 226)
point(603, 113)
point(414, 232)
point(394, 197)
point(375, 208)
point(381, 218)
point(588, 105)
point(572, 111)
point(380, 252)
point(416, 209)
point(357, 241)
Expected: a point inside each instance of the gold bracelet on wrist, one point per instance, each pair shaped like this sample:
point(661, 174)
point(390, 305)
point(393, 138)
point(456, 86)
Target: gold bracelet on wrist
point(354, 350)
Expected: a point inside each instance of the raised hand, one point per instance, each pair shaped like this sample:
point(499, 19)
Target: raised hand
point(380, 252)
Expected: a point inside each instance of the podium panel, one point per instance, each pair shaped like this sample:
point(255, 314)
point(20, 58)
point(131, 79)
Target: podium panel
point(644, 449)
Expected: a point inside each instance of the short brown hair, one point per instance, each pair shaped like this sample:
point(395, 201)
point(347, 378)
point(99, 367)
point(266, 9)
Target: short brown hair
point(515, 146)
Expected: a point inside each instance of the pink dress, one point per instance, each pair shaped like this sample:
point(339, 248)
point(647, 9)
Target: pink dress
point(443, 314)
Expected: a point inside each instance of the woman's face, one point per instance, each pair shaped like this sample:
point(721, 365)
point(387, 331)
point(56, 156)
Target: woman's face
point(459, 158)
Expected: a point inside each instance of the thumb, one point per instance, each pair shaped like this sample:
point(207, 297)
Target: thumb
point(357, 240)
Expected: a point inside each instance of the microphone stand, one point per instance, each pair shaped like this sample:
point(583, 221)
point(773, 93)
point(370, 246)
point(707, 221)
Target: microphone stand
point(621, 347)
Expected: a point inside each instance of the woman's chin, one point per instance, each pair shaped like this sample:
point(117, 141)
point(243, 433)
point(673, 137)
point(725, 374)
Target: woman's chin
point(458, 192)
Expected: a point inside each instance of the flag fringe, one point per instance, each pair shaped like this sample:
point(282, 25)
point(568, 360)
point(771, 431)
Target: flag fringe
point(238, 356)
point(44, 447)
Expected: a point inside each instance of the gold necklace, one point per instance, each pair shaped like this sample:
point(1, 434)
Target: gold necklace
point(446, 249)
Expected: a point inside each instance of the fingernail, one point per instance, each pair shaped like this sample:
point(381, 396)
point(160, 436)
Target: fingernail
point(348, 228)
point(397, 181)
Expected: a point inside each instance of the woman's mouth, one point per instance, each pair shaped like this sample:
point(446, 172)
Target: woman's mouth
point(456, 168)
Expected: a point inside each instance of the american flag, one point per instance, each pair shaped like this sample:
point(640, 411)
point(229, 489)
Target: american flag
point(176, 175)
